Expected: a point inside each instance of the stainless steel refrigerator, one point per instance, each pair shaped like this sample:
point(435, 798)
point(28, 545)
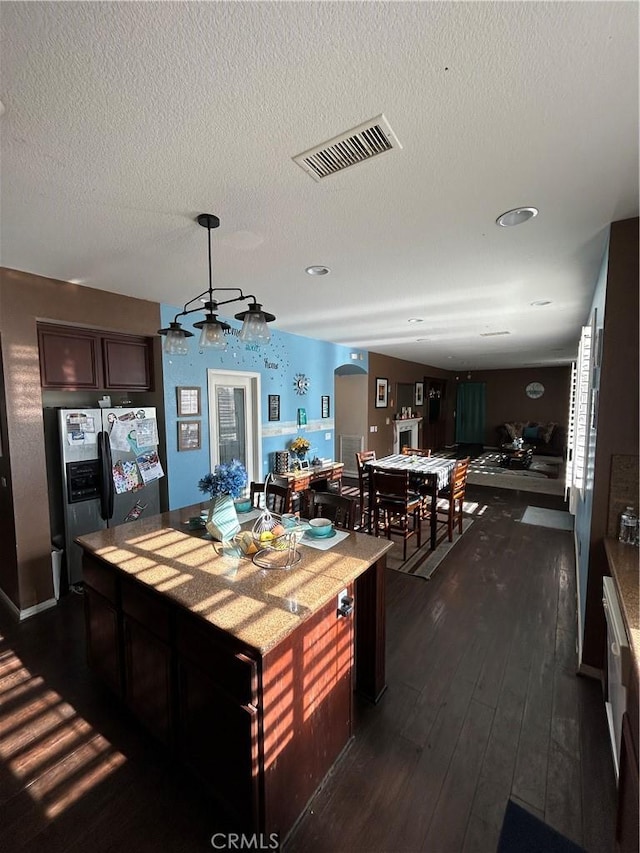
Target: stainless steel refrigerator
point(108, 472)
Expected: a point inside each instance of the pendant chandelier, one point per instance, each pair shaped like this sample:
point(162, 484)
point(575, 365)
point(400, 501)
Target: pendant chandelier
point(212, 330)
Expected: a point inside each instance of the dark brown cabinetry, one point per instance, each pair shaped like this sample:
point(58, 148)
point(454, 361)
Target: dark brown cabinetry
point(104, 652)
point(147, 659)
point(79, 359)
point(261, 730)
point(69, 358)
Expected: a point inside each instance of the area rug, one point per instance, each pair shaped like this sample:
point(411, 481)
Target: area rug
point(542, 517)
point(422, 563)
point(523, 832)
point(545, 476)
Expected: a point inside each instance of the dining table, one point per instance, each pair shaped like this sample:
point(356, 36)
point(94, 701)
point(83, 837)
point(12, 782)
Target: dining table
point(435, 471)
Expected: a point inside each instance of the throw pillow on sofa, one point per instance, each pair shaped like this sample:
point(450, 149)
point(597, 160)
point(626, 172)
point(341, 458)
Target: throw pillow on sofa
point(546, 431)
point(531, 433)
point(514, 428)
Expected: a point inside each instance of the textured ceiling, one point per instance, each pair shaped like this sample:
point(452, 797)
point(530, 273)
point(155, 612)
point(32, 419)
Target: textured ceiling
point(123, 121)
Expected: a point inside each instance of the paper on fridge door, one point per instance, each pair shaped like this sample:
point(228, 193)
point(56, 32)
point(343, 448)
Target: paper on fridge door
point(146, 432)
point(126, 476)
point(119, 436)
point(150, 467)
point(80, 428)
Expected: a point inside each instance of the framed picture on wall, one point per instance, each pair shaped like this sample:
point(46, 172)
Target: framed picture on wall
point(326, 407)
point(188, 401)
point(274, 407)
point(189, 436)
point(382, 393)
point(419, 394)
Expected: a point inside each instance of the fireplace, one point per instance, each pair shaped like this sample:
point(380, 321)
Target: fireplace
point(405, 433)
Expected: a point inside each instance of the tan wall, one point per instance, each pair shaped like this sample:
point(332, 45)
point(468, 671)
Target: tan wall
point(396, 371)
point(25, 299)
point(351, 407)
point(506, 399)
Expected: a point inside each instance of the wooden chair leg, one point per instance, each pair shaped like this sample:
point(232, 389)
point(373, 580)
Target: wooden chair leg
point(460, 515)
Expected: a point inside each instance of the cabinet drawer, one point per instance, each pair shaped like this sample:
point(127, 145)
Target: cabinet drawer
point(103, 579)
point(146, 608)
point(230, 670)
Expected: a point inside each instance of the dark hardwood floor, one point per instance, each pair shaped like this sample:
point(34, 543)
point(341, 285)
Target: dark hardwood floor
point(483, 704)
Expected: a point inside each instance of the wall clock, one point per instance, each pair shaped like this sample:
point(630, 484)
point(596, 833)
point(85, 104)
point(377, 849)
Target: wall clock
point(534, 390)
point(301, 383)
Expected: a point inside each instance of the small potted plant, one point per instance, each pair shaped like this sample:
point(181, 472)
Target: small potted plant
point(225, 483)
point(300, 447)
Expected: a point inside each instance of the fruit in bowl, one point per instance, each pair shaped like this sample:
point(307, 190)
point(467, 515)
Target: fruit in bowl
point(320, 527)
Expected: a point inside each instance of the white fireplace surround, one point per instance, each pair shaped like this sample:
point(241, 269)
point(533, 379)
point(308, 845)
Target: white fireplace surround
point(405, 425)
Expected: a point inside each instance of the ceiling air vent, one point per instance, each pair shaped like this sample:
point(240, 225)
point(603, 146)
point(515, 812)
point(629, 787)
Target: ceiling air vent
point(369, 139)
point(492, 334)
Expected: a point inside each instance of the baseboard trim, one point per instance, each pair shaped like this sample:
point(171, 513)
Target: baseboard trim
point(12, 607)
point(590, 671)
point(21, 615)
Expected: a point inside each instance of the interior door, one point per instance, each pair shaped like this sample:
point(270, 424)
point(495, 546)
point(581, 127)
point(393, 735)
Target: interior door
point(234, 420)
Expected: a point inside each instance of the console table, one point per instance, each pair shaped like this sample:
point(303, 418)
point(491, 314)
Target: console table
point(330, 472)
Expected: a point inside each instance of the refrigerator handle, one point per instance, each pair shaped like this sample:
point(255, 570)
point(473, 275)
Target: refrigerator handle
point(106, 476)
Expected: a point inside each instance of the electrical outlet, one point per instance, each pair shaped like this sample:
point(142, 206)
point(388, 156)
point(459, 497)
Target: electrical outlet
point(372, 429)
point(388, 421)
point(327, 436)
point(344, 604)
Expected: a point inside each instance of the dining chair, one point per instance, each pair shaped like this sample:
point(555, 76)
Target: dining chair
point(395, 507)
point(275, 499)
point(339, 508)
point(363, 457)
point(416, 451)
point(454, 493)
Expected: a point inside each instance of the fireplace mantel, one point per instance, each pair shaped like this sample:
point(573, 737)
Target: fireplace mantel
point(405, 425)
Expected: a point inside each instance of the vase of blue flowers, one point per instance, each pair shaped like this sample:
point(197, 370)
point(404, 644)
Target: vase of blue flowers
point(225, 483)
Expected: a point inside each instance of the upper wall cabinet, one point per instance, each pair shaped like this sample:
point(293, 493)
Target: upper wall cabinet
point(79, 359)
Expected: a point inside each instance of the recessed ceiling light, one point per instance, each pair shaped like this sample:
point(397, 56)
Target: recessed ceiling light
point(539, 302)
point(516, 216)
point(317, 270)
point(415, 320)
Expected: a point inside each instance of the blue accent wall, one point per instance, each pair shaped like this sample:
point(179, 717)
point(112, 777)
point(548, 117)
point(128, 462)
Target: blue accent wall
point(279, 363)
point(584, 503)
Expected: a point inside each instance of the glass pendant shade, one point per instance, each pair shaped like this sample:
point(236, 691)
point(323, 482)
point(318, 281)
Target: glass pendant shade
point(175, 343)
point(254, 328)
point(212, 336)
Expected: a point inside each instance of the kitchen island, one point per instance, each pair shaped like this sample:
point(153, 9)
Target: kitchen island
point(245, 674)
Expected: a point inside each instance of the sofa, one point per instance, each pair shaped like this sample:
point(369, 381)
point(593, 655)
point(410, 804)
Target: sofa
point(545, 439)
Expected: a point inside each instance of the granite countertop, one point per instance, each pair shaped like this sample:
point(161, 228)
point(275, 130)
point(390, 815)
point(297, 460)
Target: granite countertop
point(257, 606)
point(624, 562)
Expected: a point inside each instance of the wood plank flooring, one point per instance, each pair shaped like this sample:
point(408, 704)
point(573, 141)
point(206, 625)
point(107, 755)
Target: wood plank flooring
point(483, 704)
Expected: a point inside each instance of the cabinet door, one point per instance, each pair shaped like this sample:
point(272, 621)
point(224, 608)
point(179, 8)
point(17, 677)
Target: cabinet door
point(218, 737)
point(148, 678)
point(127, 363)
point(103, 643)
point(69, 358)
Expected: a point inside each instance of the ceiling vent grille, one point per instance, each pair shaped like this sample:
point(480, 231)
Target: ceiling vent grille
point(492, 334)
point(355, 146)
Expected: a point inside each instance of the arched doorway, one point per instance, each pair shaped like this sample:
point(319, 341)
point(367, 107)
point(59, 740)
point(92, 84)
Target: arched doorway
point(351, 408)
